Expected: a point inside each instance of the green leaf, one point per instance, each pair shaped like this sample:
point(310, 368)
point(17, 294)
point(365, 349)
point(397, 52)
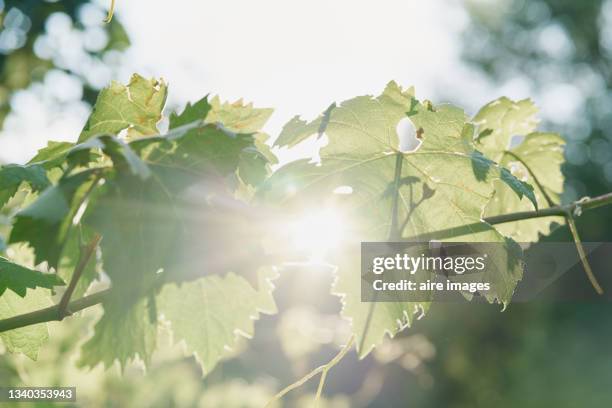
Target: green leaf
point(254, 165)
point(254, 161)
point(136, 107)
point(139, 216)
point(119, 151)
point(71, 253)
point(502, 119)
point(450, 185)
point(225, 308)
point(12, 175)
point(192, 113)
point(26, 340)
point(181, 218)
point(238, 117)
point(508, 180)
point(45, 223)
point(535, 159)
point(53, 155)
point(122, 334)
point(18, 278)
point(298, 130)
point(195, 150)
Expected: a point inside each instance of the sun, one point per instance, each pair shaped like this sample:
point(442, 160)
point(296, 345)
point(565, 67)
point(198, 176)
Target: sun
point(317, 233)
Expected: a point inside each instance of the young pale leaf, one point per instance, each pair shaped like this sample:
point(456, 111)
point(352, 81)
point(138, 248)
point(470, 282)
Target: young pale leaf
point(445, 183)
point(18, 278)
point(502, 119)
point(26, 340)
point(298, 130)
point(12, 175)
point(532, 157)
point(223, 307)
point(136, 107)
point(238, 116)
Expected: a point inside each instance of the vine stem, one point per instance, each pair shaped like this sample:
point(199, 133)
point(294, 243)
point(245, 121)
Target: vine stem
point(571, 222)
point(323, 370)
point(586, 203)
point(51, 313)
point(84, 257)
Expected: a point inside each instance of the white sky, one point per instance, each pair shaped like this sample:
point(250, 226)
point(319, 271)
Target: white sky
point(294, 56)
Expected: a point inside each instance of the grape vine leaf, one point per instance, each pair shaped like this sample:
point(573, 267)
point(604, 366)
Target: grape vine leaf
point(226, 306)
point(136, 107)
point(71, 253)
point(502, 119)
point(45, 223)
point(162, 208)
point(123, 333)
point(13, 175)
point(19, 278)
point(26, 340)
point(238, 116)
point(177, 223)
point(254, 165)
point(536, 155)
point(191, 113)
point(120, 153)
point(298, 130)
point(53, 155)
point(363, 153)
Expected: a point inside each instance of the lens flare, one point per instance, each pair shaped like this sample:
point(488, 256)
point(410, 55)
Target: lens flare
point(317, 233)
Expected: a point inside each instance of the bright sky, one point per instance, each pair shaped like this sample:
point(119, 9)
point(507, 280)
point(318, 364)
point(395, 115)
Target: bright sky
point(294, 56)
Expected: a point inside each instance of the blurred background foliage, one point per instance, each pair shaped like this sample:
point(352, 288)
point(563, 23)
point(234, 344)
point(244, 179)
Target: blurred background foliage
point(532, 355)
point(33, 48)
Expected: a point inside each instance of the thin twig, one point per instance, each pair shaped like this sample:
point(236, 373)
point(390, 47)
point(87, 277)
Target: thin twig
point(583, 258)
point(84, 258)
point(111, 12)
point(321, 369)
point(329, 366)
point(571, 222)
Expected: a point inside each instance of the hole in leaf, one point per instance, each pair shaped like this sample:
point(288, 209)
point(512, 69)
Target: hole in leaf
point(407, 134)
point(344, 190)
point(516, 140)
